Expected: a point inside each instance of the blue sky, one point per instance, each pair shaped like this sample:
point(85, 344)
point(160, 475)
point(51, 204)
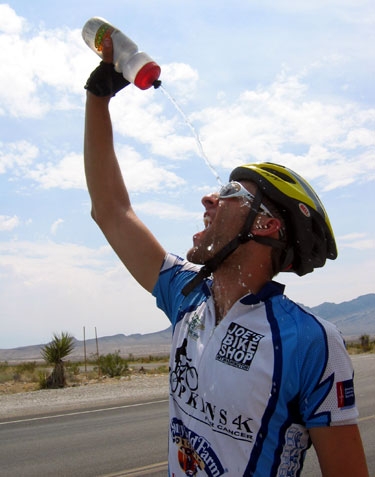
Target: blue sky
point(291, 83)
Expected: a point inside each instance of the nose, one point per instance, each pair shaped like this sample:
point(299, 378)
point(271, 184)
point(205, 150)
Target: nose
point(210, 201)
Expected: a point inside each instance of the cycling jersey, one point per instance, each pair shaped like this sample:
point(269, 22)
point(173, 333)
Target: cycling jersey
point(244, 392)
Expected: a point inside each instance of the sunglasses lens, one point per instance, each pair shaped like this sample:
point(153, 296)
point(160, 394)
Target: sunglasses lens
point(235, 189)
point(229, 189)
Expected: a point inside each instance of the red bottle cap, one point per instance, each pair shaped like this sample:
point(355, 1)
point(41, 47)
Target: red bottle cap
point(146, 76)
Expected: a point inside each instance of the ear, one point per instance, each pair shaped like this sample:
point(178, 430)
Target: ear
point(266, 226)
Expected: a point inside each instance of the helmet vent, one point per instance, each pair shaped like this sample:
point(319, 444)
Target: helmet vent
point(282, 176)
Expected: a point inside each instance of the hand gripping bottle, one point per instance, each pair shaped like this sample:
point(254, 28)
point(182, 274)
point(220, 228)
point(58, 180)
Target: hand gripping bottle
point(136, 66)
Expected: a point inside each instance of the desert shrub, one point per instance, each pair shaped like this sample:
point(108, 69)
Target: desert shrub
point(73, 369)
point(365, 343)
point(163, 369)
point(113, 364)
point(5, 372)
point(42, 380)
point(26, 368)
point(4, 366)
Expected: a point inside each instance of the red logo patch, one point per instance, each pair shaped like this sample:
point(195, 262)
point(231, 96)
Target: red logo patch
point(345, 394)
point(304, 209)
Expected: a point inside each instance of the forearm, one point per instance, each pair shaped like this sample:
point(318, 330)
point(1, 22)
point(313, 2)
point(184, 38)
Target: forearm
point(104, 179)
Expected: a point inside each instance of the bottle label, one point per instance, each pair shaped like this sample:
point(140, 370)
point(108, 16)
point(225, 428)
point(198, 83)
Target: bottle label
point(104, 31)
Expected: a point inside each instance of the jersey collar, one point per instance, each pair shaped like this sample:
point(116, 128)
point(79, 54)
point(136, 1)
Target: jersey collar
point(269, 290)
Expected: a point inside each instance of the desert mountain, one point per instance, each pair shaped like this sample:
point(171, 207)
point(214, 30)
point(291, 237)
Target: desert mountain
point(354, 318)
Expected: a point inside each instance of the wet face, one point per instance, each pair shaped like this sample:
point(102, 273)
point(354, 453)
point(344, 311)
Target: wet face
point(223, 220)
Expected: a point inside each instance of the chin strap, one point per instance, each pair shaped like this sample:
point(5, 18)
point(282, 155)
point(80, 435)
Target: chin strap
point(244, 236)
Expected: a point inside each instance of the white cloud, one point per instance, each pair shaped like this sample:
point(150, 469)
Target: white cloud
point(352, 236)
point(19, 159)
point(359, 137)
point(8, 223)
point(357, 241)
point(326, 141)
point(282, 123)
point(17, 156)
point(44, 71)
point(18, 84)
point(66, 174)
point(145, 175)
point(331, 283)
point(140, 116)
point(60, 59)
point(56, 225)
point(166, 210)
point(181, 79)
point(66, 287)
point(56, 58)
point(11, 23)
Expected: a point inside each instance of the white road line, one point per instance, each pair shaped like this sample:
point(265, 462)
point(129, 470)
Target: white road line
point(140, 471)
point(76, 413)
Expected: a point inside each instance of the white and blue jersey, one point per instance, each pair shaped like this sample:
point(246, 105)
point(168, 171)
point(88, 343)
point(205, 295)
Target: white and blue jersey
point(245, 392)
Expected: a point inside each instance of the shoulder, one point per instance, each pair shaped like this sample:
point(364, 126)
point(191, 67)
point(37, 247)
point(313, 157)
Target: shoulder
point(300, 315)
point(175, 273)
point(176, 263)
point(309, 333)
point(175, 270)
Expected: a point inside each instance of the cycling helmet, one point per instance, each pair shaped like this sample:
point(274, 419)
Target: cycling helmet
point(310, 236)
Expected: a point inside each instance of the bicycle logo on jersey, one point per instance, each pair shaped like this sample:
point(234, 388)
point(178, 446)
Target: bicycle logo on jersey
point(184, 375)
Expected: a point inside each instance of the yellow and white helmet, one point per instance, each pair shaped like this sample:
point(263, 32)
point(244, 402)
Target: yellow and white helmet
point(310, 235)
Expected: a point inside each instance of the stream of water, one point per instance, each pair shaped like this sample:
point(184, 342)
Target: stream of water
point(195, 135)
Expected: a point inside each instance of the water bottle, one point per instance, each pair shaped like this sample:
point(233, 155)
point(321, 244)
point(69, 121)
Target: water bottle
point(136, 66)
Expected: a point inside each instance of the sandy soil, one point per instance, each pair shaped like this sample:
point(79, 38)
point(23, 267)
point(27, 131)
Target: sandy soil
point(19, 399)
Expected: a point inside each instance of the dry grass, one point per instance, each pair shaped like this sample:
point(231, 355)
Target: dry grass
point(27, 377)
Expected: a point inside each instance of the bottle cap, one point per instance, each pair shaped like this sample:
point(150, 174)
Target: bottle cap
point(147, 75)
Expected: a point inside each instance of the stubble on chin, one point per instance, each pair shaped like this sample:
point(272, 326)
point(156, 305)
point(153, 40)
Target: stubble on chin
point(191, 255)
point(195, 255)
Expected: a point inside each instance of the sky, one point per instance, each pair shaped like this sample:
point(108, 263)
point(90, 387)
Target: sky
point(289, 82)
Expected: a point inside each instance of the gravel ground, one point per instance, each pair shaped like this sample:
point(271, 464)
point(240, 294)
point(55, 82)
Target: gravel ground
point(113, 392)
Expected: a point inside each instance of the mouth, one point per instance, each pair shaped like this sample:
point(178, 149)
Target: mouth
point(207, 220)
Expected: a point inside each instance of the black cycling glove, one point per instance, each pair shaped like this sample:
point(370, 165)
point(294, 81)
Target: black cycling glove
point(105, 81)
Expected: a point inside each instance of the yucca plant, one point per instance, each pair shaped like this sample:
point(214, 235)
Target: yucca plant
point(54, 353)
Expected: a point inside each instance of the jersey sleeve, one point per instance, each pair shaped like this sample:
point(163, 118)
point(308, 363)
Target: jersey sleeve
point(174, 274)
point(327, 397)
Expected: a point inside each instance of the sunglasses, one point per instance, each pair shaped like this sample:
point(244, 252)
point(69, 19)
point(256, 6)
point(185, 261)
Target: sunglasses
point(235, 189)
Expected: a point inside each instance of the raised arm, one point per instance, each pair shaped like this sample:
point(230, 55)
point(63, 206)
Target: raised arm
point(135, 245)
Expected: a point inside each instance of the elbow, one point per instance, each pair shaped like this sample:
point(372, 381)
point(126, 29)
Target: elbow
point(103, 218)
point(95, 216)
point(99, 220)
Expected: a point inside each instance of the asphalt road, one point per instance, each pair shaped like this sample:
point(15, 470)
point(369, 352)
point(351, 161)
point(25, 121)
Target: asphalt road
point(85, 443)
point(131, 440)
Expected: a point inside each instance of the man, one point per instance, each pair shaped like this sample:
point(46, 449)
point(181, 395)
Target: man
point(260, 379)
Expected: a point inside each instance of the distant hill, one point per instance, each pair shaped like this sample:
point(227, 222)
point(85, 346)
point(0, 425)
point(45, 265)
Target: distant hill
point(354, 318)
point(151, 344)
